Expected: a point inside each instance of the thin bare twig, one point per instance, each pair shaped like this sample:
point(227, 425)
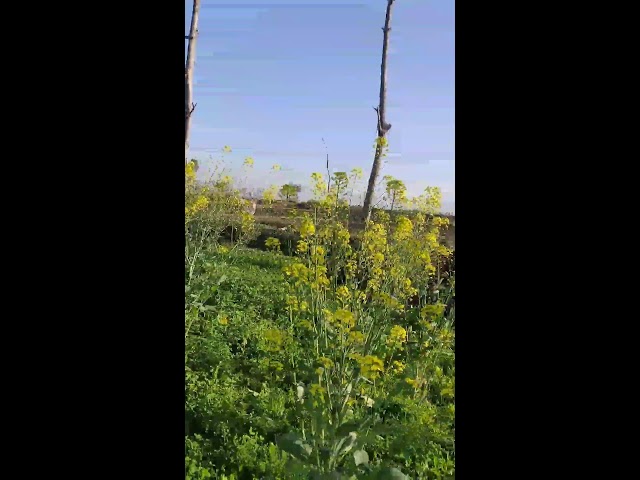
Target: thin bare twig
point(328, 172)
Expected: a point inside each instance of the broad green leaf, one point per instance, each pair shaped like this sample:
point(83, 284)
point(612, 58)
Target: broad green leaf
point(347, 428)
point(390, 473)
point(328, 476)
point(295, 445)
point(347, 443)
point(361, 457)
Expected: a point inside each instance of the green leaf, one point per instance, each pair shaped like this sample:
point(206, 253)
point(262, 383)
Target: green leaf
point(361, 457)
point(385, 473)
point(347, 428)
point(325, 454)
point(390, 473)
point(328, 476)
point(295, 445)
point(347, 443)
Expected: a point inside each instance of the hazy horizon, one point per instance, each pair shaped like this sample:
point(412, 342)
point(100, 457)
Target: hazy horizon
point(272, 80)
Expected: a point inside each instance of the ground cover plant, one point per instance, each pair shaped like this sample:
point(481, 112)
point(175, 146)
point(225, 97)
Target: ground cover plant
point(326, 358)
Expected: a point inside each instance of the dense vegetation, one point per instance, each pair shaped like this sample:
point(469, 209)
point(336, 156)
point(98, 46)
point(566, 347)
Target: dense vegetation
point(336, 361)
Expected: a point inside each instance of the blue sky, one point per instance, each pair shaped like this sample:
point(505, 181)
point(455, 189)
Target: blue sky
point(272, 79)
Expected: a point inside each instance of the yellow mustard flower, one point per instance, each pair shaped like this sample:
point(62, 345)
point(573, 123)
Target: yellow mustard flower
point(398, 336)
point(307, 228)
point(370, 366)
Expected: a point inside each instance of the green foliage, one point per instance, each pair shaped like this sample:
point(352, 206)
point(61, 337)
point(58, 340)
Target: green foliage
point(335, 362)
point(210, 209)
point(289, 191)
point(396, 191)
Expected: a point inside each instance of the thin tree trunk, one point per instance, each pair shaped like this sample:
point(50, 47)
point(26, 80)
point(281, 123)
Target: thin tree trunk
point(328, 171)
point(383, 126)
point(189, 106)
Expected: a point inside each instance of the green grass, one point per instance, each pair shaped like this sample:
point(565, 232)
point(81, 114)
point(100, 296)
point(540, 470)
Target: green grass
point(233, 412)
